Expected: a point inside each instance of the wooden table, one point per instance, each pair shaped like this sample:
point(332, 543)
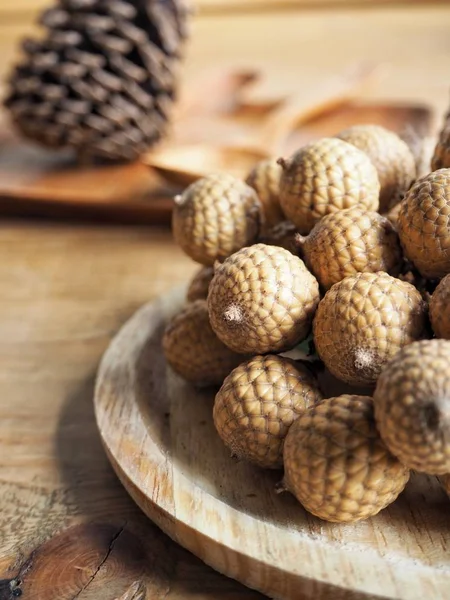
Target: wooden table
point(67, 528)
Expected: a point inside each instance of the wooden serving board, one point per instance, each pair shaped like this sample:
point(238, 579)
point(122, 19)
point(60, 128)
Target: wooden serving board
point(158, 433)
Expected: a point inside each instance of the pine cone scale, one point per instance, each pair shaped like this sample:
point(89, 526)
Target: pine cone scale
point(103, 79)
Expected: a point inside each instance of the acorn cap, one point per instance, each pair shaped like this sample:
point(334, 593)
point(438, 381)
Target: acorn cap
point(412, 406)
point(363, 321)
point(216, 216)
point(257, 404)
point(393, 160)
point(336, 463)
point(350, 241)
point(193, 350)
point(424, 224)
point(324, 177)
point(262, 299)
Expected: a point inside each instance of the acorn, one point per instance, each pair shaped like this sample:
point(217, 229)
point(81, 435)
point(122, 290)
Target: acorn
point(336, 463)
point(262, 299)
point(412, 406)
point(215, 216)
point(257, 404)
point(393, 160)
point(283, 234)
point(424, 224)
point(199, 285)
point(324, 177)
point(350, 241)
point(193, 350)
point(363, 321)
point(440, 309)
point(264, 178)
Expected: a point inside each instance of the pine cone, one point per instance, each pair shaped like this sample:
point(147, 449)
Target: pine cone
point(103, 78)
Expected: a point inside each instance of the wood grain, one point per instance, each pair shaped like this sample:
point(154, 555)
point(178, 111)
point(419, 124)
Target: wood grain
point(67, 527)
point(159, 435)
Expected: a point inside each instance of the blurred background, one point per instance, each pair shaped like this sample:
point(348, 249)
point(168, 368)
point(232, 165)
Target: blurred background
point(300, 41)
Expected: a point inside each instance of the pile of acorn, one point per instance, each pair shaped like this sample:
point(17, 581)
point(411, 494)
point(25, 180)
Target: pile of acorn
point(341, 239)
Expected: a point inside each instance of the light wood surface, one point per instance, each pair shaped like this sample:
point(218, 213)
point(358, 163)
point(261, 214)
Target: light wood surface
point(159, 435)
point(66, 289)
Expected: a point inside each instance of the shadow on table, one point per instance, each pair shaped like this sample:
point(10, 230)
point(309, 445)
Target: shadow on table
point(94, 496)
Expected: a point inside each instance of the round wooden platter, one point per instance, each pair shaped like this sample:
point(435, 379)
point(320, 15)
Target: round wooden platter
point(158, 433)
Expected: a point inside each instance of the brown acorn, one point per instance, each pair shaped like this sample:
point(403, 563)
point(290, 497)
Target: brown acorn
point(257, 404)
point(262, 299)
point(324, 177)
point(440, 309)
point(193, 350)
point(393, 160)
point(350, 241)
point(424, 224)
point(216, 216)
point(199, 285)
point(412, 406)
point(336, 463)
point(363, 321)
point(264, 178)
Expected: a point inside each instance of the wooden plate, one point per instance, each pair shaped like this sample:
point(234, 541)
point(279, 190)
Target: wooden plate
point(158, 433)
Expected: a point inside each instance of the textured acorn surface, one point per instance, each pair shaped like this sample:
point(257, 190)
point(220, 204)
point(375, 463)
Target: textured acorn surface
point(412, 406)
point(262, 299)
point(257, 404)
point(193, 350)
point(336, 463)
point(393, 160)
point(264, 178)
point(424, 224)
point(199, 285)
point(441, 156)
point(283, 234)
point(216, 216)
point(363, 321)
point(440, 309)
point(351, 241)
point(324, 177)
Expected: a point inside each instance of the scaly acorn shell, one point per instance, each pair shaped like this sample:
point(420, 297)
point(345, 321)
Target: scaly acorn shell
point(257, 404)
point(324, 177)
point(424, 224)
point(193, 350)
point(363, 321)
point(412, 406)
point(393, 160)
point(336, 463)
point(262, 299)
point(351, 241)
point(215, 216)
